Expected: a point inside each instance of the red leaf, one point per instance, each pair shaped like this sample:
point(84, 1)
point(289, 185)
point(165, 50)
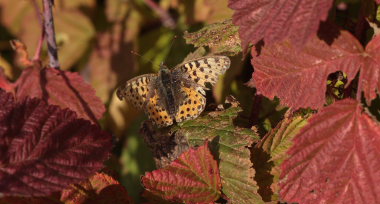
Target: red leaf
point(370, 73)
point(298, 77)
point(192, 178)
point(44, 148)
point(100, 188)
point(4, 83)
point(30, 200)
point(335, 158)
point(65, 89)
point(276, 20)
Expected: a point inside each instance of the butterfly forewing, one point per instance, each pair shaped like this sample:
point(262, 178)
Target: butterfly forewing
point(204, 70)
point(141, 93)
point(136, 90)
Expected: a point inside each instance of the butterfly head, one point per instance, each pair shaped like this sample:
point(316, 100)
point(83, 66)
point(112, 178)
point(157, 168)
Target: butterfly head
point(163, 68)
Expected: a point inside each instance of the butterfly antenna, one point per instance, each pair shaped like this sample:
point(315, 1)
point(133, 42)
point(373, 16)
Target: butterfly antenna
point(170, 49)
point(142, 57)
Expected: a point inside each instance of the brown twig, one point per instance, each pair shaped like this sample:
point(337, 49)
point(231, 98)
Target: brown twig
point(50, 33)
point(166, 19)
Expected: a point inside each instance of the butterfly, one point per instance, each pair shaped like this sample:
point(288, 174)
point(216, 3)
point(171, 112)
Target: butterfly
point(176, 94)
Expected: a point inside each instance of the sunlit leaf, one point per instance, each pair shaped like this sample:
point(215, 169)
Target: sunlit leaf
point(276, 20)
point(334, 158)
point(65, 89)
point(222, 37)
point(230, 144)
point(192, 178)
point(299, 78)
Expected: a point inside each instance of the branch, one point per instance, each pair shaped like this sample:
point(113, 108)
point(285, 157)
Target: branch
point(50, 33)
point(166, 19)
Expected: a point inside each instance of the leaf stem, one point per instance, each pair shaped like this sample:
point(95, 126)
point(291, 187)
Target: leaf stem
point(37, 53)
point(50, 33)
point(166, 19)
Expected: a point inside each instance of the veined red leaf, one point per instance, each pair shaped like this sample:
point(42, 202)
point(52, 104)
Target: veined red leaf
point(298, 77)
point(192, 178)
point(369, 80)
point(100, 188)
point(335, 158)
point(276, 20)
point(62, 88)
point(44, 148)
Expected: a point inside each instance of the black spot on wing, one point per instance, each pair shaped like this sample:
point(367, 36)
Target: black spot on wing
point(197, 64)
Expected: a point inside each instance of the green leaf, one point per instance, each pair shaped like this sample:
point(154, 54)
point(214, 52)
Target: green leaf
point(275, 144)
point(222, 37)
point(229, 145)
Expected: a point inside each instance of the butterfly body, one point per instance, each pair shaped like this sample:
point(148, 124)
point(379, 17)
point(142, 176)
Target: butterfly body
point(177, 94)
point(167, 86)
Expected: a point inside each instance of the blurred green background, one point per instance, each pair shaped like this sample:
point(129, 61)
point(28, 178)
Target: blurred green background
point(96, 37)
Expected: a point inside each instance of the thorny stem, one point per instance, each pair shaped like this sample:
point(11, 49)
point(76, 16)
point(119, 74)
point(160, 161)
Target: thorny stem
point(50, 33)
point(166, 19)
point(37, 53)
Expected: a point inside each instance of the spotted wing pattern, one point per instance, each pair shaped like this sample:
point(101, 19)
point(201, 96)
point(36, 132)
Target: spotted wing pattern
point(190, 78)
point(140, 92)
point(157, 113)
point(136, 90)
point(192, 105)
point(204, 70)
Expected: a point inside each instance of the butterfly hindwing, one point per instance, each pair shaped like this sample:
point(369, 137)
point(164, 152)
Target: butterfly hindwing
point(204, 70)
point(192, 105)
point(157, 113)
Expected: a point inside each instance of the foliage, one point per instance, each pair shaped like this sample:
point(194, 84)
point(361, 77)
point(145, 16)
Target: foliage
point(304, 129)
point(193, 177)
point(45, 148)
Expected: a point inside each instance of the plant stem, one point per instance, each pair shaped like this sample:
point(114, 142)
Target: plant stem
point(50, 33)
point(37, 53)
point(166, 19)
